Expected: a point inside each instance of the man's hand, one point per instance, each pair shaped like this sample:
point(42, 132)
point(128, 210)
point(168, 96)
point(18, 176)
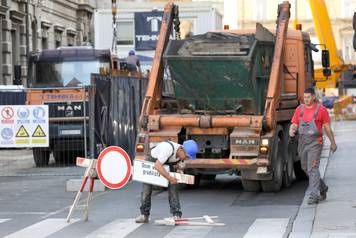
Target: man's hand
point(333, 147)
point(173, 180)
point(330, 135)
point(292, 130)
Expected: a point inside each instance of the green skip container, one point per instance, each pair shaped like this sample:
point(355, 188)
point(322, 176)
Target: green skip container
point(221, 72)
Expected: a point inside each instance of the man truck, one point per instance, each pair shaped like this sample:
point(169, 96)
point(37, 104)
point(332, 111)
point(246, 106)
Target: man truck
point(59, 78)
point(235, 92)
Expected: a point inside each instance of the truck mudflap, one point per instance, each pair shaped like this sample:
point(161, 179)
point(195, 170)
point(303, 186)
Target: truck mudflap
point(220, 163)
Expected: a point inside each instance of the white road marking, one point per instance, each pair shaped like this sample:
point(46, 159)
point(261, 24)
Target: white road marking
point(189, 231)
point(118, 228)
point(4, 220)
point(270, 228)
point(42, 229)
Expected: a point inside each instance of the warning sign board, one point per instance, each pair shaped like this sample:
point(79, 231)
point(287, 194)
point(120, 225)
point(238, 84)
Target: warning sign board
point(24, 126)
point(39, 132)
point(22, 132)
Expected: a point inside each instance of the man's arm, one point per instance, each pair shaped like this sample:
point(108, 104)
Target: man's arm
point(159, 167)
point(330, 135)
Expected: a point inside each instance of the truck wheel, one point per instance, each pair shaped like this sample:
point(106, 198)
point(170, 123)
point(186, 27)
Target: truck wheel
point(41, 156)
point(290, 156)
point(275, 184)
point(251, 185)
point(65, 157)
point(208, 176)
point(299, 172)
point(288, 171)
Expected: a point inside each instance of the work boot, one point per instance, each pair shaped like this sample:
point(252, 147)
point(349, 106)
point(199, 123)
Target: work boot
point(323, 194)
point(176, 217)
point(313, 199)
point(142, 219)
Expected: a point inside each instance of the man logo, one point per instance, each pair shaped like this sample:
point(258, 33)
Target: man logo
point(69, 109)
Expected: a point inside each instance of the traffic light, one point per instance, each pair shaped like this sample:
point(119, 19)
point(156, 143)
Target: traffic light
point(354, 26)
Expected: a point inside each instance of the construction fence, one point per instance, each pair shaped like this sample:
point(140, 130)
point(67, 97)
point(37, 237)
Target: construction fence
point(43, 130)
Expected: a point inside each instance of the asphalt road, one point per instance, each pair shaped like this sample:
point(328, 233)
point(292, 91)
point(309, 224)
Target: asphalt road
point(36, 205)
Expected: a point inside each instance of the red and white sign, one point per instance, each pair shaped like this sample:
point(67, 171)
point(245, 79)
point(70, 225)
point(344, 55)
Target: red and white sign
point(7, 113)
point(114, 167)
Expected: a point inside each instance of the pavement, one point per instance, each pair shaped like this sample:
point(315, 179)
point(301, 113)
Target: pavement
point(336, 216)
point(34, 204)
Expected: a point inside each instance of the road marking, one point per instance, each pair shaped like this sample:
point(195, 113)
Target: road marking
point(23, 213)
point(189, 231)
point(4, 220)
point(273, 228)
point(42, 229)
point(118, 228)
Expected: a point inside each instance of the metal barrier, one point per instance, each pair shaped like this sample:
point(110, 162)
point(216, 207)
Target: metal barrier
point(115, 103)
point(49, 127)
point(50, 136)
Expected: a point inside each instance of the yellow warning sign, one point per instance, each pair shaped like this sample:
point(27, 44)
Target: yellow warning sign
point(22, 141)
point(39, 141)
point(38, 132)
point(22, 132)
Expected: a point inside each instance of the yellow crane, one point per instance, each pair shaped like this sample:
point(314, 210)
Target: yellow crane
point(326, 38)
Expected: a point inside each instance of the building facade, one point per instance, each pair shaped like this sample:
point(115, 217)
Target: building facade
point(340, 12)
point(50, 24)
point(195, 18)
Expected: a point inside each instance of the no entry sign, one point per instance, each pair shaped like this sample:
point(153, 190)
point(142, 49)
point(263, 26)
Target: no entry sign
point(114, 167)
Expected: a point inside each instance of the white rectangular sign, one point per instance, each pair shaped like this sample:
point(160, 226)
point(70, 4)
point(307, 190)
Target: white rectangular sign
point(145, 172)
point(24, 126)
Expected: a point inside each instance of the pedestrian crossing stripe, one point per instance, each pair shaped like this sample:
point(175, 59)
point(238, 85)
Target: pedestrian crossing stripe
point(39, 132)
point(22, 132)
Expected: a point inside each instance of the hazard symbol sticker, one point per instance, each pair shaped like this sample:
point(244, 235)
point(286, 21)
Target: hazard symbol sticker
point(39, 132)
point(7, 113)
point(22, 132)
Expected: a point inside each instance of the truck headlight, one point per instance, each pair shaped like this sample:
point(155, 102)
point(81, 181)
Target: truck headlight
point(264, 142)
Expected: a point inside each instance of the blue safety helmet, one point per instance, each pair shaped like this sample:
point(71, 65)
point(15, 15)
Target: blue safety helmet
point(191, 148)
point(131, 52)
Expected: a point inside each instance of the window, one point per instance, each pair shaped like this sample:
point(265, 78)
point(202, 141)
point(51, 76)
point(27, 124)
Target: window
point(259, 10)
point(348, 7)
point(125, 33)
point(44, 43)
point(347, 48)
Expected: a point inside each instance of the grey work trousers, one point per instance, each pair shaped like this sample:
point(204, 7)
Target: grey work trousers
point(309, 151)
point(173, 199)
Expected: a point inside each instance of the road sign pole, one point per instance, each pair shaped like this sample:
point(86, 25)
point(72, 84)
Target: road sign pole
point(89, 173)
point(112, 160)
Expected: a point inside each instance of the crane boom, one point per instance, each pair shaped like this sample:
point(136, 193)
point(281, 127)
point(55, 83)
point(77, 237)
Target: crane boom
point(326, 37)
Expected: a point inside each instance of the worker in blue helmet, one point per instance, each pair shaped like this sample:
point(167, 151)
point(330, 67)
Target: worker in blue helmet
point(171, 154)
point(133, 62)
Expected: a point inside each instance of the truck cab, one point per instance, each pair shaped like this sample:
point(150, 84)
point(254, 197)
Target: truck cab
point(60, 79)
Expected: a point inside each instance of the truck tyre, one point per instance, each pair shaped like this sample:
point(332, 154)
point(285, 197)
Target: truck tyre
point(41, 156)
point(208, 176)
point(275, 184)
point(251, 185)
point(65, 157)
point(300, 175)
point(288, 174)
point(290, 156)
